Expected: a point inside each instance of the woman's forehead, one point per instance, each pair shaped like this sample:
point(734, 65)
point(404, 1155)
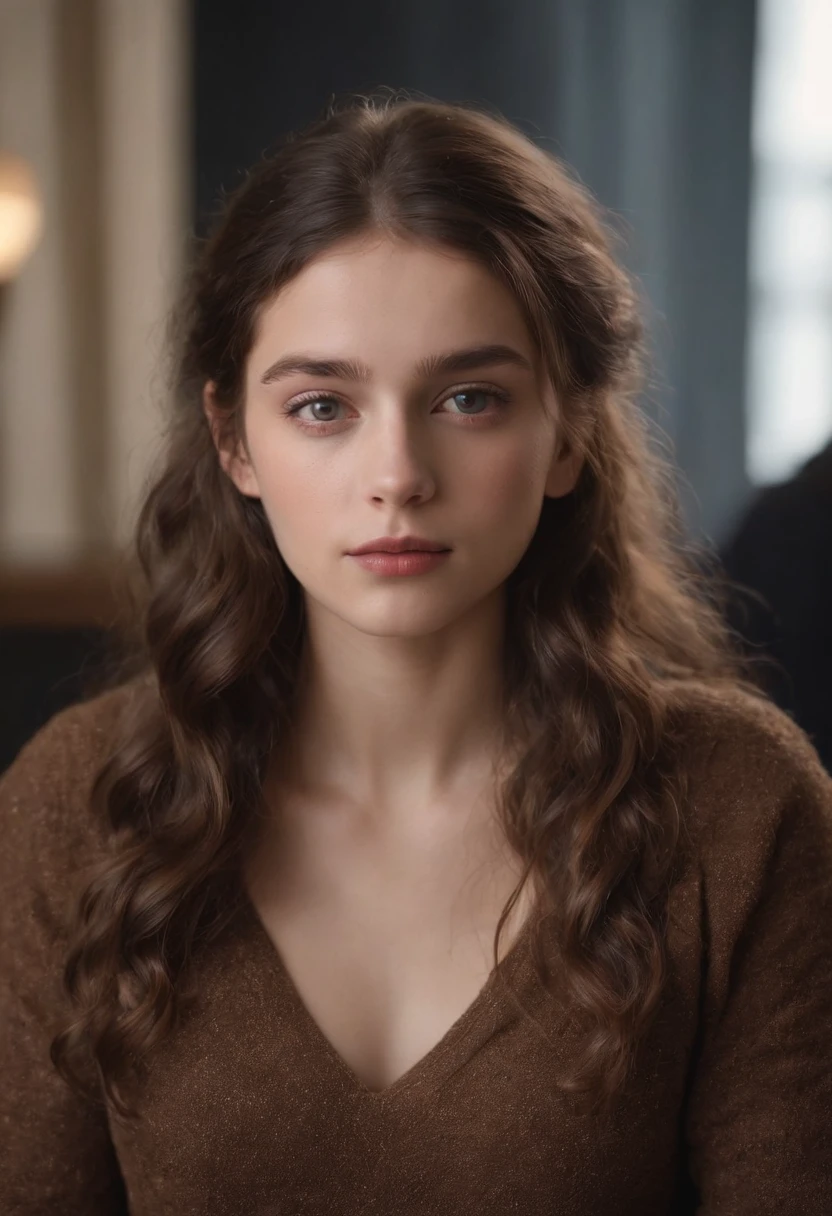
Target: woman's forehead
point(381, 303)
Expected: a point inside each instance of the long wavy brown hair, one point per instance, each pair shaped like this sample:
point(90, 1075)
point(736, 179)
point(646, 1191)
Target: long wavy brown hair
point(609, 611)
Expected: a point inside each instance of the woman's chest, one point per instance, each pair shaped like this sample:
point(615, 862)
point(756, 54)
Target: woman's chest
point(247, 1108)
point(386, 943)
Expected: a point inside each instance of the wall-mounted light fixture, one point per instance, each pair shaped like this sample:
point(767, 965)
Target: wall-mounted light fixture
point(21, 214)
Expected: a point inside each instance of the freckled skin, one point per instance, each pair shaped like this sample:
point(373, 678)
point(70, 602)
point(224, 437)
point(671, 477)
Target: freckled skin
point(396, 459)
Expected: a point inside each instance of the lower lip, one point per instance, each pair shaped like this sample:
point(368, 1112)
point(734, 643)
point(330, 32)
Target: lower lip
point(414, 561)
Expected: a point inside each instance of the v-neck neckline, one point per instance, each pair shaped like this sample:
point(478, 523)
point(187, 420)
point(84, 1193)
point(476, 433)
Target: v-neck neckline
point(437, 1059)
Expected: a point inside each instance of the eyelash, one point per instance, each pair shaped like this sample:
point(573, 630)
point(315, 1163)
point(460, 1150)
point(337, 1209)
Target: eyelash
point(291, 410)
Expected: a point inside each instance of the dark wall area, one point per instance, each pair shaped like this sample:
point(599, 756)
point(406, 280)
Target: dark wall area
point(261, 68)
point(47, 669)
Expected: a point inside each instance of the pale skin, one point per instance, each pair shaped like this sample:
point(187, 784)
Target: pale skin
point(381, 871)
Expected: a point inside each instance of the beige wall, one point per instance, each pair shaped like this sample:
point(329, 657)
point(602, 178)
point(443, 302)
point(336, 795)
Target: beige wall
point(38, 512)
point(94, 93)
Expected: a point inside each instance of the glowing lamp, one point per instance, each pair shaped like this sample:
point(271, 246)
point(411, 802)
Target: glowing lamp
point(21, 215)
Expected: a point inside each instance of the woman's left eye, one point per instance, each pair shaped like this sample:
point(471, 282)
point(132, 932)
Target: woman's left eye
point(476, 392)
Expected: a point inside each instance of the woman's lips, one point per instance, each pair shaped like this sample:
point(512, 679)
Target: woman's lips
point(412, 561)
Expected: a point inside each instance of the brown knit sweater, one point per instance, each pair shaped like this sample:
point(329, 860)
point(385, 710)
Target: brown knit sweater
point(249, 1110)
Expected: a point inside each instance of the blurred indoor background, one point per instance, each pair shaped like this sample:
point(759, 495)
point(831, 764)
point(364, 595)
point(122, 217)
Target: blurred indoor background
point(705, 125)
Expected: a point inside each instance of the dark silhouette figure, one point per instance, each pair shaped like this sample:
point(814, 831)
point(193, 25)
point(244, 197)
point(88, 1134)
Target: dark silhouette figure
point(782, 552)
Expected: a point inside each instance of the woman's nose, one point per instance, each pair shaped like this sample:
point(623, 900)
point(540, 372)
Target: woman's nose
point(398, 462)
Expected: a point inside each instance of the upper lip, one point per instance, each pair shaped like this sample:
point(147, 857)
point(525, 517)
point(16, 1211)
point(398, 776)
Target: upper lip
point(399, 544)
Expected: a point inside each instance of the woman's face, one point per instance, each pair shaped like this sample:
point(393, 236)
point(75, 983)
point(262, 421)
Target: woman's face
point(391, 446)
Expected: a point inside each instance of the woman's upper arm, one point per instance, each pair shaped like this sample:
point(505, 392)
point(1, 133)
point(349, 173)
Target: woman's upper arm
point(758, 1120)
point(56, 1154)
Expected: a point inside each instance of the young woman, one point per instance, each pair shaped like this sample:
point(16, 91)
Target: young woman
point(440, 857)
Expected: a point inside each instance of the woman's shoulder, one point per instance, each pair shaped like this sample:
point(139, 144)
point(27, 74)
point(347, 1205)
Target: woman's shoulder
point(754, 781)
point(752, 933)
point(54, 836)
point(740, 736)
point(45, 792)
point(73, 739)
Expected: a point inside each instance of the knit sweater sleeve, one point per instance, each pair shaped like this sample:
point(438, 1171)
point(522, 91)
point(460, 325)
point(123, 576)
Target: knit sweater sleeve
point(758, 1118)
point(56, 1155)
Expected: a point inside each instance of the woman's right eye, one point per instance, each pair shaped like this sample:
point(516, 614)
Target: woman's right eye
point(330, 402)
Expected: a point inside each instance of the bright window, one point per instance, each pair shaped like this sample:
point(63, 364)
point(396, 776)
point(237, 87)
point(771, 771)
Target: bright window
point(789, 373)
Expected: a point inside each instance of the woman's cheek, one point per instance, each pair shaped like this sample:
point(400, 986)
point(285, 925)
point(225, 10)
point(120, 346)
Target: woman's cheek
point(511, 481)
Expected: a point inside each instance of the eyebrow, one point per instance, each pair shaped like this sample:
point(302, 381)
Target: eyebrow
point(493, 355)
